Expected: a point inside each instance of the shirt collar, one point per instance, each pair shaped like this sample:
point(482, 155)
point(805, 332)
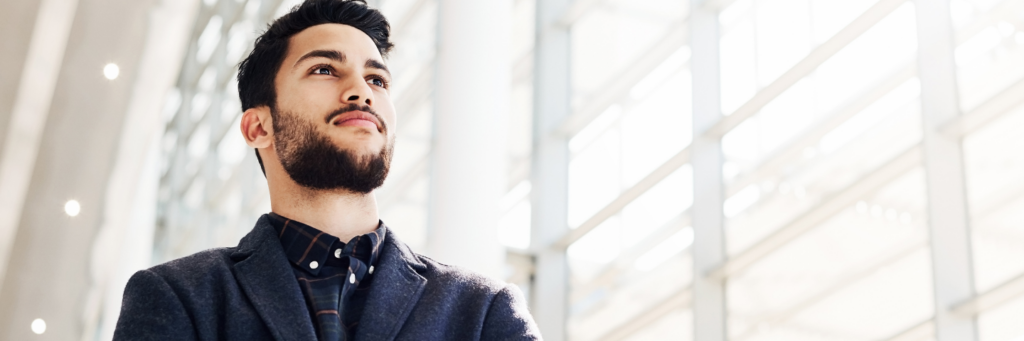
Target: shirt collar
point(309, 248)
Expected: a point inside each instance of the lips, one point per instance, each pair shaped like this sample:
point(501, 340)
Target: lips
point(357, 118)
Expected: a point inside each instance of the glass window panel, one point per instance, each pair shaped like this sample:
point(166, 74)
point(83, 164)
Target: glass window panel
point(408, 219)
point(988, 55)
point(523, 34)
point(814, 177)
point(856, 116)
point(657, 127)
point(629, 264)
point(677, 325)
point(989, 71)
point(762, 39)
point(595, 177)
point(846, 77)
point(631, 297)
point(996, 199)
point(659, 205)
point(1003, 322)
point(514, 226)
point(966, 12)
point(859, 274)
point(612, 36)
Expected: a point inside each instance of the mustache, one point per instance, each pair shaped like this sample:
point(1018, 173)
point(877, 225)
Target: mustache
point(356, 107)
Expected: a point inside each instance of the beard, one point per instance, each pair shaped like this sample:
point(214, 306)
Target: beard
point(313, 161)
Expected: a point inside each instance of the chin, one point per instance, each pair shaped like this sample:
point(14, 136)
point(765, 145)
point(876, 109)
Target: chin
point(363, 149)
point(361, 144)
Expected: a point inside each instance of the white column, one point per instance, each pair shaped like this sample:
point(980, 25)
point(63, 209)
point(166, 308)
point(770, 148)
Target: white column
point(468, 171)
point(124, 241)
point(28, 116)
point(549, 173)
point(706, 159)
point(943, 162)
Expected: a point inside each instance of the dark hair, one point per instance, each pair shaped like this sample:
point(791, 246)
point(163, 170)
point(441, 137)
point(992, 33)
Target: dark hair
point(257, 72)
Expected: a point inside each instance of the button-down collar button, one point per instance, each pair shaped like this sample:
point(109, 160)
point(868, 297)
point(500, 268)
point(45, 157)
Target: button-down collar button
point(337, 253)
point(352, 278)
point(371, 269)
point(313, 265)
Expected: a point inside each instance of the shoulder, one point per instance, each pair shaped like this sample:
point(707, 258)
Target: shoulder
point(194, 270)
point(459, 278)
point(499, 307)
point(451, 279)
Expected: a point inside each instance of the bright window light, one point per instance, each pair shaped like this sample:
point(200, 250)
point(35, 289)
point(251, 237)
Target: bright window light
point(111, 71)
point(72, 208)
point(38, 326)
point(741, 201)
point(665, 250)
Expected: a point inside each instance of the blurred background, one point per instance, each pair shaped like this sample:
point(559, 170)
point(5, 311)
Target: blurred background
point(642, 170)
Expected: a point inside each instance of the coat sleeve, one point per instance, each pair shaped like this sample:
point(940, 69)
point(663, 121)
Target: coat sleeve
point(151, 310)
point(508, 318)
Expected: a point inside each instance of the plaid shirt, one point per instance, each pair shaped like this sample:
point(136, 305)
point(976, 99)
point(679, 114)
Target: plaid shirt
point(334, 276)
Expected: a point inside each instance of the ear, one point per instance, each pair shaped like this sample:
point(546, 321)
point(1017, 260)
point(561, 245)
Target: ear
point(257, 127)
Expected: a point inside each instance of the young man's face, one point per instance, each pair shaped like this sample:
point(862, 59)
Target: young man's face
point(334, 120)
point(328, 70)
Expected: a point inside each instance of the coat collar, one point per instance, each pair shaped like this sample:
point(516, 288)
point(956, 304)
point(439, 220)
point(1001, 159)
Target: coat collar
point(397, 286)
point(266, 277)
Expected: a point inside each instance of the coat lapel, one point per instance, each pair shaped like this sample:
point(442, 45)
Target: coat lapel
point(266, 278)
point(396, 288)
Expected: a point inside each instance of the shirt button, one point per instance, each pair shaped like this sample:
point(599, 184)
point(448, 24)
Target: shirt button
point(352, 278)
point(371, 269)
point(337, 253)
point(313, 265)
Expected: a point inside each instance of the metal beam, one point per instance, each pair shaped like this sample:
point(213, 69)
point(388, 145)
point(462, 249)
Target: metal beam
point(709, 312)
point(550, 169)
point(948, 218)
point(805, 67)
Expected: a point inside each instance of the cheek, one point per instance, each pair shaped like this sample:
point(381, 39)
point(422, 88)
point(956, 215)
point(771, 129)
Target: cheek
point(309, 97)
point(386, 110)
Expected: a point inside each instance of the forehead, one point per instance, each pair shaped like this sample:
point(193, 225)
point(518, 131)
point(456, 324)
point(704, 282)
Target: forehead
point(343, 38)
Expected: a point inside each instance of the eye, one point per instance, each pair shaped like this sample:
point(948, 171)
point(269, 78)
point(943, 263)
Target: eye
point(321, 70)
point(377, 81)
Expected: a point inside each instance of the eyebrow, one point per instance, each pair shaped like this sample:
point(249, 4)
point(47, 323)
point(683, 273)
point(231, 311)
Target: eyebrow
point(337, 56)
point(373, 64)
point(329, 54)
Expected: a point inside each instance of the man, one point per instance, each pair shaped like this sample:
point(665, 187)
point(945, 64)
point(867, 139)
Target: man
point(321, 265)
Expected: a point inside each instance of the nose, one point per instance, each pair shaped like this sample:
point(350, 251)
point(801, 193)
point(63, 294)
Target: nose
point(357, 92)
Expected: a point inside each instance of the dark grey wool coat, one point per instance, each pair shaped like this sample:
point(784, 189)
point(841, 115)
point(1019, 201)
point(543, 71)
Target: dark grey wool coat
point(249, 292)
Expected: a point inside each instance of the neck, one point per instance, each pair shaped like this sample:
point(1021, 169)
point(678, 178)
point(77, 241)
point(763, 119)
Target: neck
point(343, 214)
